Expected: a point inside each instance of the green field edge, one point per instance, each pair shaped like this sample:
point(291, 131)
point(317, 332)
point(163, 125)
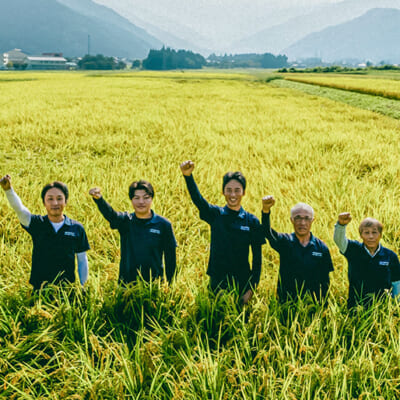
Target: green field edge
point(378, 104)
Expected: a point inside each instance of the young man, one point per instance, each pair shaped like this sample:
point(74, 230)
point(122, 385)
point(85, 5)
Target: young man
point(56, 238)
point(373, 269)
point(233, 231)
point(305, 261)
point(145, 236)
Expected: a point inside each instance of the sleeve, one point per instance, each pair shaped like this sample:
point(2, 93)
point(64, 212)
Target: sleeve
point(83, 244)
point(395, 268)
point(256, 266)
point(23, 214)
point(116, 219)
point(170, 253)
point(275, 239)
point(83, 268)
point(207, 211)
point(339, 236)
point(325, 281)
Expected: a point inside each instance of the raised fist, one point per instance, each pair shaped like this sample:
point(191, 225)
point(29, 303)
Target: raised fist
point(187, 168)
point(5, 182)
point(267, 202)
point(344, 218)
point(95, 193)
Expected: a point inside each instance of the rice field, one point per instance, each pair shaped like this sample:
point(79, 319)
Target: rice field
point(159, 342)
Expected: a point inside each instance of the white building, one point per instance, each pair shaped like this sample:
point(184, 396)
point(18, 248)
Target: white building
point(46, 62)
point(13, 57)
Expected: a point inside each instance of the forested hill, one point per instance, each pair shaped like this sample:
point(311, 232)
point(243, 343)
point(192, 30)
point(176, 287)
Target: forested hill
point(49, 26)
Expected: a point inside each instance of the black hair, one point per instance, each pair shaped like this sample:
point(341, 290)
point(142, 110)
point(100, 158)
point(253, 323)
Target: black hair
point(56, 184)
point(141, 185)
point(237, 176)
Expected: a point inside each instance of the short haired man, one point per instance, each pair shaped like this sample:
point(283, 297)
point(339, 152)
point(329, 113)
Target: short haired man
point(305, 261)
point(145, 236)
point(233, 232)
point(373, 269)
point(56, 238)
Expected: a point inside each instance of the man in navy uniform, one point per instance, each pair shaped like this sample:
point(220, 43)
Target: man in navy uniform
point(145, 236)
point(373, 269)
point(233, 232)
point(305, 261)
point(56, 238)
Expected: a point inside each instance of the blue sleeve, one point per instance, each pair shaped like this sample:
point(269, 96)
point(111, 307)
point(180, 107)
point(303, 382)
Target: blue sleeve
point(275, 239)
point(256, 266)
point(116, 219)
point(169, 252)
point(207, 211)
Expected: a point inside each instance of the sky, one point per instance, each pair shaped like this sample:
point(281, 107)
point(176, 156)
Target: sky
point(215, 23)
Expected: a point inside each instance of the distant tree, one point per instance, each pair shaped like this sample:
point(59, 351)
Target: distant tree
point(100, 62)
point(167, 59)
point(136, 64)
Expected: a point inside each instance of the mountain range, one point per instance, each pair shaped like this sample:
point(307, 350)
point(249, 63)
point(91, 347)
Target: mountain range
point(329, 29)
point(64, 26)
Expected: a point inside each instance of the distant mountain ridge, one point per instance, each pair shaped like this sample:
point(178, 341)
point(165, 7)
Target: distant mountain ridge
point(64, 26)
point(374, 36)
point(277, 38)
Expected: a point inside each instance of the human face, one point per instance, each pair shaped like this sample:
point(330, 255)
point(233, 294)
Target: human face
point(371, 237)
point(142, 202)
point(54, 202)
point(233, 192)
point(302, 221)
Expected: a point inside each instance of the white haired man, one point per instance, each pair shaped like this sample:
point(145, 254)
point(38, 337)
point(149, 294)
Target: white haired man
point(305, 261)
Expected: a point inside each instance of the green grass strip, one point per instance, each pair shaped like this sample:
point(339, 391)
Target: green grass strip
point(381, 105)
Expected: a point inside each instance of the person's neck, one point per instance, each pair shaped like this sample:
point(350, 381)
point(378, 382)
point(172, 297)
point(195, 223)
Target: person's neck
point(57, 219)
point(236, 208)
point(304, 239)
point(143, 216)
point(372, 250)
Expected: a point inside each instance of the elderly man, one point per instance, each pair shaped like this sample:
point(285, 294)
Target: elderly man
point(373, 270)
point(305, 261)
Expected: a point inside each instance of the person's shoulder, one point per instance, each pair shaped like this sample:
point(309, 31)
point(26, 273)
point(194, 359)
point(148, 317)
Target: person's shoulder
point(387, 251)
point(251, 217)
point(73, 223)
point(320, 243)
point(159, 219)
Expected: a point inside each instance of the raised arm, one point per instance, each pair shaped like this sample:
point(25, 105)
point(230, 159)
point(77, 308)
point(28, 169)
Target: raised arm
point(108, 212)
point(22, 212)
point(339, 235)
point(274, 238)
point(199, 201)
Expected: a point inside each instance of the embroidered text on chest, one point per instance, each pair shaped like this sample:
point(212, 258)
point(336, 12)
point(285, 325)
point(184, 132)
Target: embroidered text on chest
point(384, 263)
point(73, 234)
point(316, 254)
point(156, 231)
point(244, 228)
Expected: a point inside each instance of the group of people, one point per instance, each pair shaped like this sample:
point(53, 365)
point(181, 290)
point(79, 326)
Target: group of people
point(148, 245)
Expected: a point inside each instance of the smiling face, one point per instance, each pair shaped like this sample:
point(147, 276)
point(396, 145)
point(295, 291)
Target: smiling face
point(233, 192)
point(302, 221)
point(55, 202)
point(142, 202)
point(371, 237)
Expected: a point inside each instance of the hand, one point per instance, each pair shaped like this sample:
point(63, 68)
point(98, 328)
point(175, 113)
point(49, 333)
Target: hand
point(187, 168)
point(344, 218)
point(247, 296)
point(267, 202)
point(95, 193)
point(5, 182)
